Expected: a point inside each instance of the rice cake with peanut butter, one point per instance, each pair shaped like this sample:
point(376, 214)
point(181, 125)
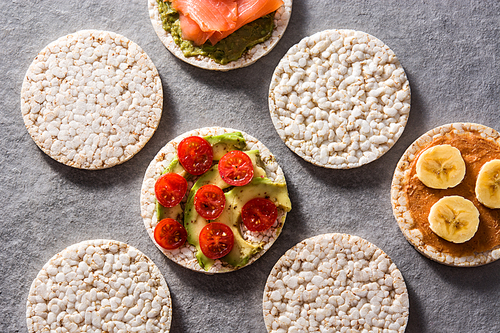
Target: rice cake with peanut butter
point(412, 200)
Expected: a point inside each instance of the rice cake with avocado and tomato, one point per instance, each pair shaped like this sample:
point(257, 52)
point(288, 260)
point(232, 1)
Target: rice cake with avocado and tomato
point(445, 218)
point(243, 47)
point(91, 99)
point(181, 217)
point(99, 286)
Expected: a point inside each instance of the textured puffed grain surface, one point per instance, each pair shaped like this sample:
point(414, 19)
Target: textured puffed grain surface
point(99, 285)
point(449, 51)
point(339, 98)
point(400, 204)
point(334, 282)
point(91, 99)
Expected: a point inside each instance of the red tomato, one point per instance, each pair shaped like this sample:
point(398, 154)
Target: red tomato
point(259, 214)
point(170, 234)
point(236, 168)
point(209, 201)
point(216, 240)
point(170, 188)
point(195, 155)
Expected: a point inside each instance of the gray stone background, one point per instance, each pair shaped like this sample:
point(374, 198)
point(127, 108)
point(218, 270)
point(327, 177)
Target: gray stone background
point(451, 53)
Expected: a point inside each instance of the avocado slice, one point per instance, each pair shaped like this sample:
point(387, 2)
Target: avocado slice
point(193, 222)
point(235, 199)
point(176, 167)
point(261, 188)
point(212, 176)
point(225, 143)
point(168, 212)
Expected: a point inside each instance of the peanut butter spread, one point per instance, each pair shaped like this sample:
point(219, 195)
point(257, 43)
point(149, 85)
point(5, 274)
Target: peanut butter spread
point(476, 151)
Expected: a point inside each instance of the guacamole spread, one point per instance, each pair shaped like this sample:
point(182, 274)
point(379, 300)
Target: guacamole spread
point(230, 48)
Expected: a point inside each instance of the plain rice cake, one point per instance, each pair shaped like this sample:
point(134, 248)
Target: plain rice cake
point(339, 99)
point(335, 283)
point(91, 99)
point(99, 286)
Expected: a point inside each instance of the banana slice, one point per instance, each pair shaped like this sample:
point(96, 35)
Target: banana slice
point(488, 184)
point(441, 167)
point(454, 218)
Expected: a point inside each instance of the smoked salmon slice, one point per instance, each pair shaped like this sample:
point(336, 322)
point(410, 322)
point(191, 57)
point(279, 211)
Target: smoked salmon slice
point(191, 30)
point(248, 11)
point(210, 15)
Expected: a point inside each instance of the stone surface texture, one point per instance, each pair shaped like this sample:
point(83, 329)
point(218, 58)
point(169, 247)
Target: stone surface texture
point(450, 51)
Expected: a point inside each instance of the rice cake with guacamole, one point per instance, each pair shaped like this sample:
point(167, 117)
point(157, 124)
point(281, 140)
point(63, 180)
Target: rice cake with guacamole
point(241, 48)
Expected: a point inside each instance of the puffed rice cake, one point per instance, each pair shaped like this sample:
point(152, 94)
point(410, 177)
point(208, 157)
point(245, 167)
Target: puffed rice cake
point(339, 99)
point(91, 99)
point(400, 201)
point(255, 53)
point(185, 255)
point(99, 285)
point(335, 282)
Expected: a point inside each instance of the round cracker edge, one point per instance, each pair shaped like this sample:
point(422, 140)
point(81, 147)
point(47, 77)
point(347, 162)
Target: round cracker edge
point(399, 201)
point(248, 58)
point(162, 160)
point(275, 80)
point(291, 254)
point(109, 243)
point(144, 138)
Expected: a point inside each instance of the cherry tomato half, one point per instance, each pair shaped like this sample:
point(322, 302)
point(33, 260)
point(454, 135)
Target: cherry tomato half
point(216, 240)
point(170, 188)
point(259, 214)
point(195, 155)
point(236, 168)
point(209, 201)
point(170, 234)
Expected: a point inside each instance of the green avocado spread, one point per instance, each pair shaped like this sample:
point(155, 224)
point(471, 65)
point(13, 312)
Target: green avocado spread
point(230, 48)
